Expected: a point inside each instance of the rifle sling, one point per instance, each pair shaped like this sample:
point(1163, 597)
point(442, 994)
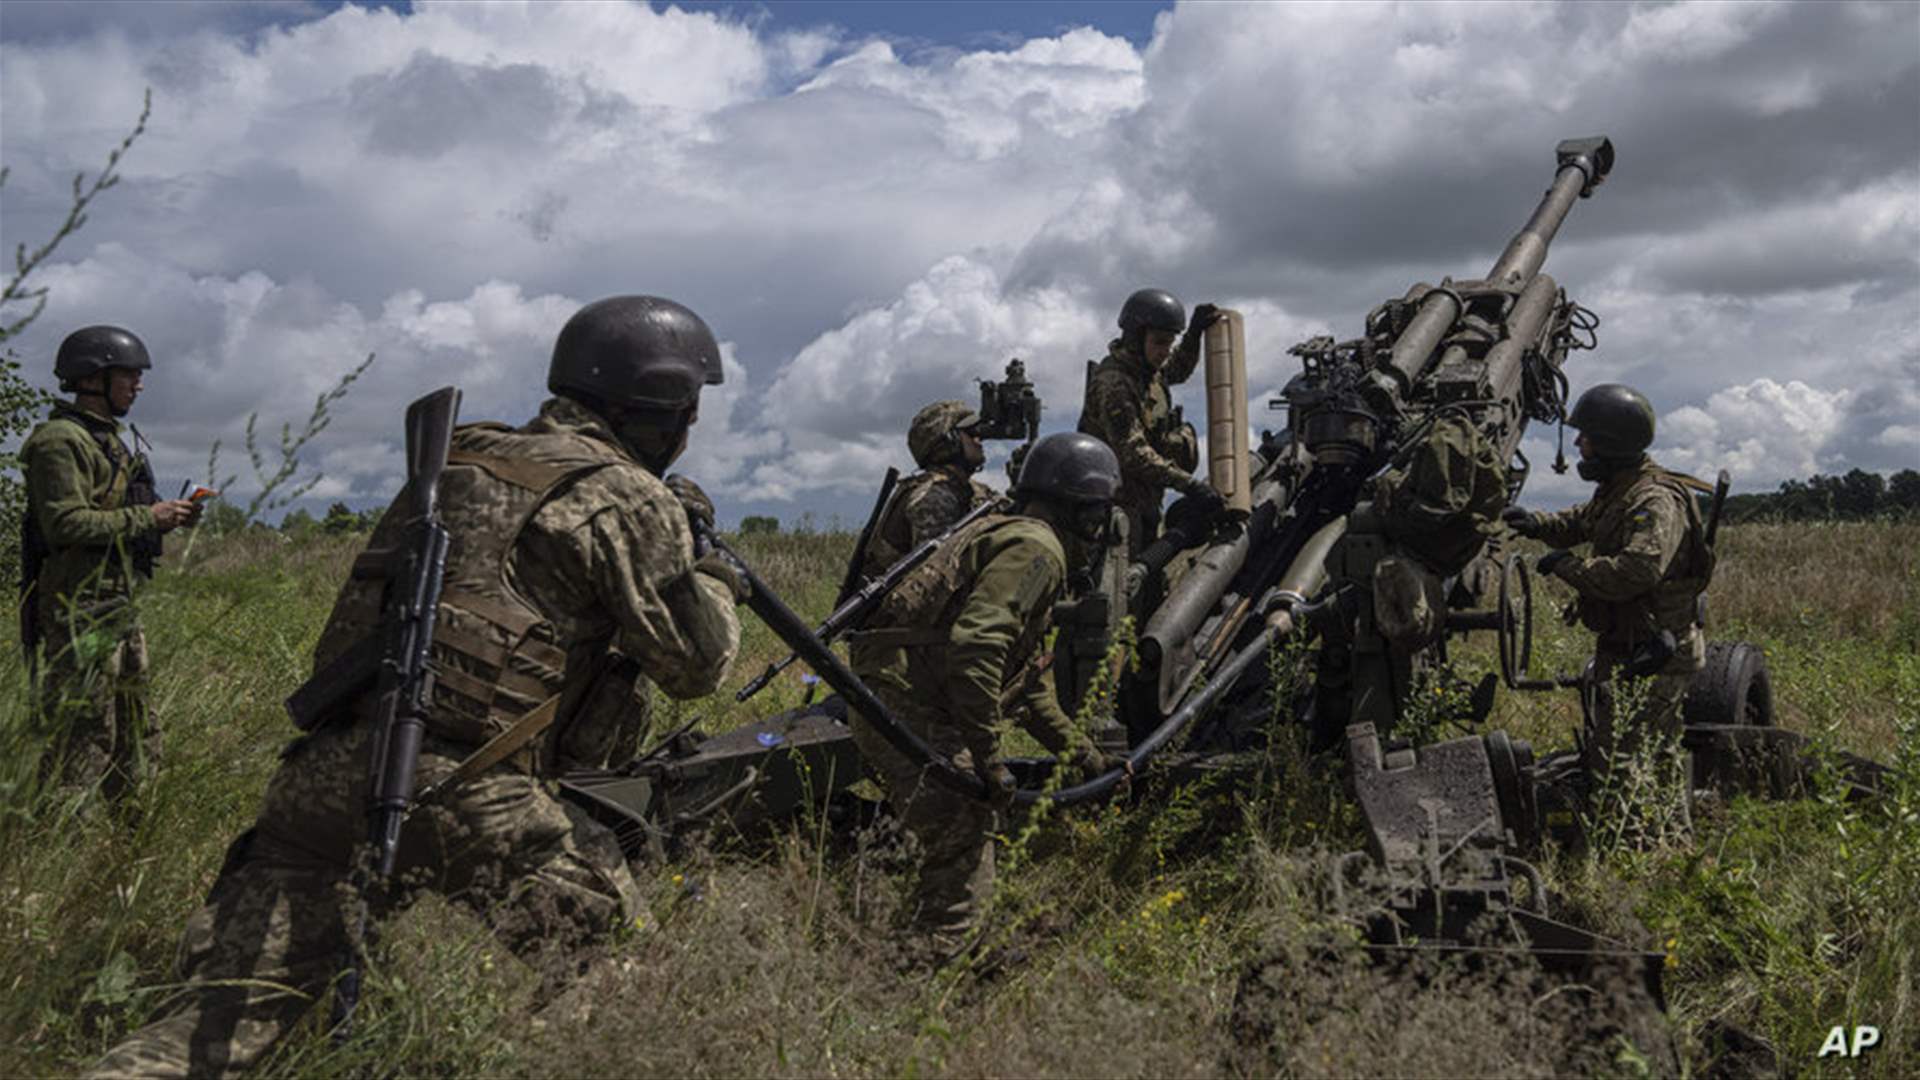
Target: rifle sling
point(500, 747)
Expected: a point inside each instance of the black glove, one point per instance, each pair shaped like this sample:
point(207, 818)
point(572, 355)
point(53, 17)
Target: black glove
point(1552, 559)
point(1521, 521)
point(1204, 315)
point(1208, 504)
point(699, 508)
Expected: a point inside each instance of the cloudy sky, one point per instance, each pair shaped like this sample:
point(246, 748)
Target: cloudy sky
point(875, 205)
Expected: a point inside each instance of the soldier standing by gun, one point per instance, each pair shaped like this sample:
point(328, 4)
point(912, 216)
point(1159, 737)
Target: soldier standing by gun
point(1129, 408)
point(92, 528)
point(1640, 589)
point(926, 504)
point(952, 650)
point(570, 575)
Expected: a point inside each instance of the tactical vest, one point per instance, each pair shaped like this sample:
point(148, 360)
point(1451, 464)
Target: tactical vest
point(1674, 603)
point(893, 535)
point(920, 612)
point(129, 483)
point(1164, 426)
point(495, 656)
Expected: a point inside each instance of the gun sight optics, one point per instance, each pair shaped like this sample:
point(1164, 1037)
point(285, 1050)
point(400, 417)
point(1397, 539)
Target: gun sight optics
point(1009, 409)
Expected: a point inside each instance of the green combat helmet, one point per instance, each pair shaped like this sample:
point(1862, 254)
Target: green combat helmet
point(930, 438)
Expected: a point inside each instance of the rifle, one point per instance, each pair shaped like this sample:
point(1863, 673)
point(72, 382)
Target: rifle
point(403, 683)
point(859, 557)
point(854, 609)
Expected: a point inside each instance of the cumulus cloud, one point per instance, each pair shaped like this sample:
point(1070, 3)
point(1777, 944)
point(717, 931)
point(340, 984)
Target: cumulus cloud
point(870, 230)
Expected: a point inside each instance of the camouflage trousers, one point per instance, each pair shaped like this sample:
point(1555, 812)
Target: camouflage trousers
point(1635, 766)
point(1655, 701)
point(272, 934)
point(94, 707)
point(954, 832)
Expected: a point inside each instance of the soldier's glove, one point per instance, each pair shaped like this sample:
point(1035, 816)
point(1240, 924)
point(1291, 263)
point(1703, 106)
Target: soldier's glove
point(699, 508)
point(1090, 761)
point(1204, 315)
point(999, 781)
point(1521, 521)
point(1652, 655)
point(1208, 504)
point(717, 566)
point(1550, 560)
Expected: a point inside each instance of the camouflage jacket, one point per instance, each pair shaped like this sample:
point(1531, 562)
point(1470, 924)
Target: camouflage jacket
point(1128, 407)
point(925, 505)
point(599, 565)
point(1649, 562)
point(77, 473)
point(966, 631)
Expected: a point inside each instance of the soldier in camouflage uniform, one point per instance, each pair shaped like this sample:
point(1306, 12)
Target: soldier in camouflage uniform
point(927, 503)
point(956, 648)
point(1128, 407)
point(570, 576)
point(1640, 587)
point(91, 530)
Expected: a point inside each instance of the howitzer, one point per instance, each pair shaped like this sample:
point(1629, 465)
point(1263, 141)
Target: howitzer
point(403, 684)
point(854, 609)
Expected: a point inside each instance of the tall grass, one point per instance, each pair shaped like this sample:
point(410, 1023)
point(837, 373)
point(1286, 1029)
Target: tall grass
point(1184, 935)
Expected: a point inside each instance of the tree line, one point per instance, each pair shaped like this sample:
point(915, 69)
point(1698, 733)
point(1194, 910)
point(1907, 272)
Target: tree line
point(1857, 495)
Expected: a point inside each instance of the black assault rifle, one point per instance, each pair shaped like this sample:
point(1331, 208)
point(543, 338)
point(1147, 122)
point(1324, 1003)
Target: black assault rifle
point(855, 608)
point(402, 682)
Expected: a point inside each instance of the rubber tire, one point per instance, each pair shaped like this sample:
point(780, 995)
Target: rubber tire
point(1733, 688)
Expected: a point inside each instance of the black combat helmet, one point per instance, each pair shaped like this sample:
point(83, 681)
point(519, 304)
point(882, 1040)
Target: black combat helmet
point(1072, 468)
point(91, 350)
point(1152, 309)
point(1617, 421)
point(637, 352)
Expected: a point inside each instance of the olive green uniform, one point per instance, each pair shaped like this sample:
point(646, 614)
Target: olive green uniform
point(570, 575)
point(1129, 408)
point(93, 697)
point(1645, 573)
point(925, 505)
point(951, 653)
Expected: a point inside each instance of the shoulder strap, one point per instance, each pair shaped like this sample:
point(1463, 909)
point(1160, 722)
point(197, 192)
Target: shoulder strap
point(522, 472)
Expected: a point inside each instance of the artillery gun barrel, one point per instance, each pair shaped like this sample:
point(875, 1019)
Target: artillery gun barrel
point(1584, 163)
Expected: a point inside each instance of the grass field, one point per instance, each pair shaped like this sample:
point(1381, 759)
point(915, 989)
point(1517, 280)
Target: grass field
point(1132, 926)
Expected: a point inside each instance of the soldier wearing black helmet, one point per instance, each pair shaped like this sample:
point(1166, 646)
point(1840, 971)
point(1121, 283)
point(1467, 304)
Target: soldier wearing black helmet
point(571, 582)
point(1128, 406)
point(956, 647)
point(91, 532)
point(1641, 582)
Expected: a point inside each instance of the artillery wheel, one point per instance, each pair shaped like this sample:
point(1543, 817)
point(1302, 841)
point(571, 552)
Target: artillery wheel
point(1516, 621)
point(1733, 688)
